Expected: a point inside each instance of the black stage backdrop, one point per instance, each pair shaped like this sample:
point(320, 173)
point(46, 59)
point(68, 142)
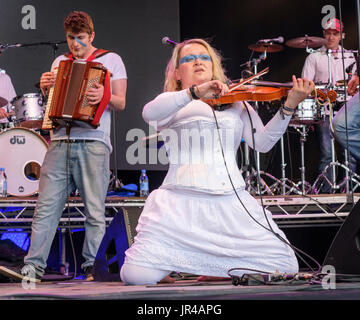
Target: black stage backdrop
point(133, 29)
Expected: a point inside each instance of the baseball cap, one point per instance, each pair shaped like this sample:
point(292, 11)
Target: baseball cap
point(334, 24)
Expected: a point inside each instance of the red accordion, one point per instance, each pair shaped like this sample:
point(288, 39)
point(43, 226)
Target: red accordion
point(67, 102)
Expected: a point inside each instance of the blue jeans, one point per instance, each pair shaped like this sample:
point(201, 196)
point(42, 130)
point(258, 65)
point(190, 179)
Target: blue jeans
point(353, 120)
point(88, 170)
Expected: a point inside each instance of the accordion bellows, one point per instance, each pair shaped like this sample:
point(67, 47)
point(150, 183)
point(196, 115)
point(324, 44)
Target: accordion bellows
point(67, 102)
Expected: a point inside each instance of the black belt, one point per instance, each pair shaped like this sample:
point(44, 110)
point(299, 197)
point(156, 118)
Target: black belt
point(77, 141)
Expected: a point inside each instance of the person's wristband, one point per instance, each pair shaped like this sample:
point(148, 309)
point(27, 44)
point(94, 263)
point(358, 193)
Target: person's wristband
point(286, 109)
point(289, 111)
point(192, 92)
point(292, 110)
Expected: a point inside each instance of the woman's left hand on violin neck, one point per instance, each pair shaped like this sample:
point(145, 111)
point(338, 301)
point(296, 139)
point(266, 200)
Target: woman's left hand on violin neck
point(301, 89)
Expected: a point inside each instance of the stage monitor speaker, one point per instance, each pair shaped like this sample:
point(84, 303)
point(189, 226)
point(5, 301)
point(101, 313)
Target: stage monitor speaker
point(118, 238)
point(344, 252)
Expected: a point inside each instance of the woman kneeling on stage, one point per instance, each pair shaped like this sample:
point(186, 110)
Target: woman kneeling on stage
point(202, 220)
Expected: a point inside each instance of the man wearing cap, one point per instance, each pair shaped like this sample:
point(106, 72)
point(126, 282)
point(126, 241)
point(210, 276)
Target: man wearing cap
point(316, 68)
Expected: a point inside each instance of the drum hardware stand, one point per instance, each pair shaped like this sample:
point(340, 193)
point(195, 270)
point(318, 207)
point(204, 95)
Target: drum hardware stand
point(350, 176)
point(278, 187)
point(284, 180)
point(251, 181)
point(305, 186)
point(252, 173)
point(263, 188)
point(332, 165)
point(329, 85)
point(251, 176)
point(283, 186)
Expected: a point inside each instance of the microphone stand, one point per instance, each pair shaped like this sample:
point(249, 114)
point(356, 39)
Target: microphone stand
point(53, 44)
point(116, 183)
point(254, 64)
point(349, 193)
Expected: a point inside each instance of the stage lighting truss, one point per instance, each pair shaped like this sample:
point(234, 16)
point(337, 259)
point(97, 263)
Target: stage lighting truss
point(286, 210)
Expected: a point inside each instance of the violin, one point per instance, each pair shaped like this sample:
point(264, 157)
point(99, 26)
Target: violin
point(242, 92)
point(264, 91)
point(249, 93)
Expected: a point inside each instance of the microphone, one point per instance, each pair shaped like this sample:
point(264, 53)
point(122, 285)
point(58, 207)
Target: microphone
point(278, 39)
point(166, 40)
point(3, 47)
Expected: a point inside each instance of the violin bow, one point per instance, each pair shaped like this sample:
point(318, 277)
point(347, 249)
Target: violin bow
point(255, 76)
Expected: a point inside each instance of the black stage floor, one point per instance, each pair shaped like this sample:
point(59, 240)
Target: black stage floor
point(180, 290)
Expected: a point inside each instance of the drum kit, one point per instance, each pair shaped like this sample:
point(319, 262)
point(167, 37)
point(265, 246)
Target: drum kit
point(25, 146)
point(309, 112)
point(22, 138)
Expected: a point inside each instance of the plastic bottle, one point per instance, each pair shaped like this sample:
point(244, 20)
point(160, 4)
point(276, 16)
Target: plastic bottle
point(3, 183)
point(144, 184)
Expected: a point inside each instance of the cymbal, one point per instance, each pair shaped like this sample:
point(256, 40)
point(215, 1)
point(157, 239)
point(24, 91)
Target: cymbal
point(268, 47)
point(303, 42)
point(3, 102)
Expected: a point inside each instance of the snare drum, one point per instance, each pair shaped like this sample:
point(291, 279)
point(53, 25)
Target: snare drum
point(308, 112)
point(29, 110)
point(23, 152)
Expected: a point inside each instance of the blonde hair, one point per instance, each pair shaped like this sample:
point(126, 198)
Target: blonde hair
point(171, 84)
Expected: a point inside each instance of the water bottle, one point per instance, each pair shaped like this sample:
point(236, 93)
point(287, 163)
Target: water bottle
point(144, 184)
point(3, 183)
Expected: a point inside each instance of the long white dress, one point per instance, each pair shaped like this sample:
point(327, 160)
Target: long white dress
point(194, 222)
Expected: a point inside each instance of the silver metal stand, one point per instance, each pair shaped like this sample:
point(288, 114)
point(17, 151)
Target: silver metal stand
point(303, 185)
point(344, 186)
point(64, 265)
point(285, 182)
point(114, 183)
point(252, 173)
point(283, 186)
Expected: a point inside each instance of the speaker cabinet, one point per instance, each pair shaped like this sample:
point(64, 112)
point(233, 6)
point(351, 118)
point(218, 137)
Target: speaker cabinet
point(344, 252)
point(118, 238)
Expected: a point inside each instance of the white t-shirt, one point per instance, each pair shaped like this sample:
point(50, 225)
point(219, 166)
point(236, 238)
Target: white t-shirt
point(115, 65)
point(316, 67)
point(7, 91)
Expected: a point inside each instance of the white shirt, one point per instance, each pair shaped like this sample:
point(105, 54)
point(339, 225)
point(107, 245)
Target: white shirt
point(7, 91)
point(316, 66)
point(192, 142)
point(115, 65)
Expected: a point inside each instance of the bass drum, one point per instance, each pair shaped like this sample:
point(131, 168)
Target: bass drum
point(23, 152)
